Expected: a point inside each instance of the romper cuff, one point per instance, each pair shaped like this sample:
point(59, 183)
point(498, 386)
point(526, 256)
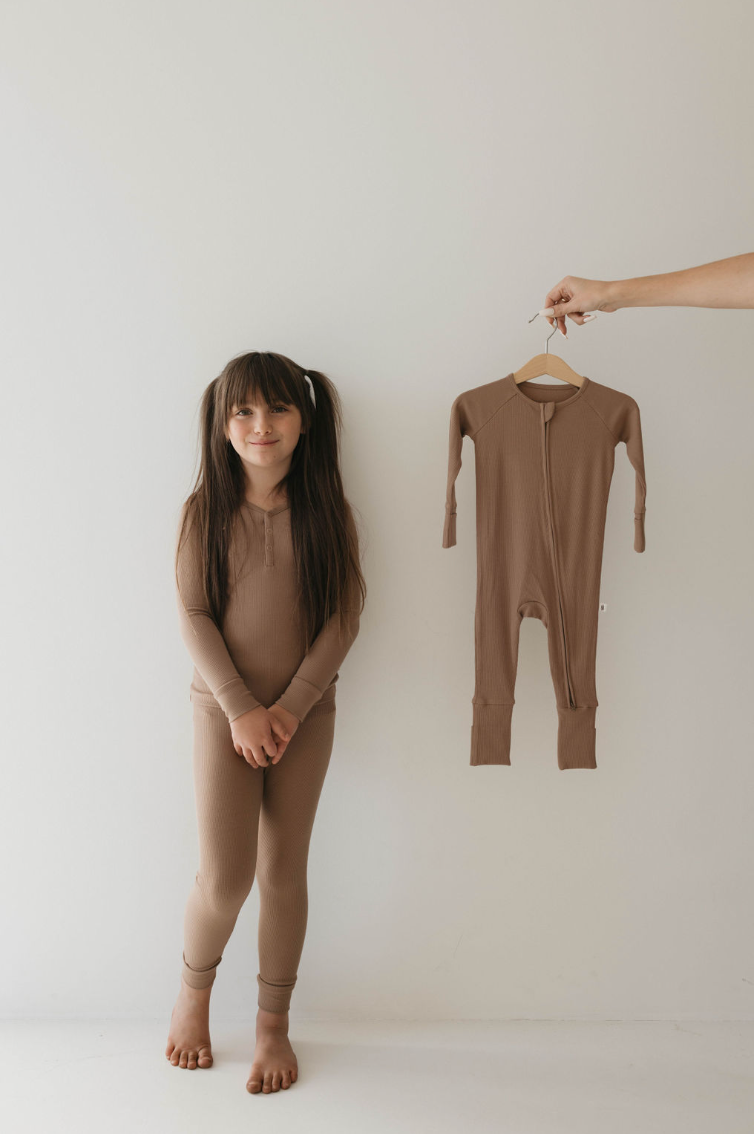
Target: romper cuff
point(639, 540)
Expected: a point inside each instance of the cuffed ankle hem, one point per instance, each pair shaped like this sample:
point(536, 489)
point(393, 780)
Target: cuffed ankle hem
point(199, 978)
point(274, 997)
point(491, 734)
point(577, 736)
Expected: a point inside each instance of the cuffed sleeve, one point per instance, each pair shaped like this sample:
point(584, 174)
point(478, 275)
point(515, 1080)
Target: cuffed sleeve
point(458, 428)
point(631, 434)
point(202, 636)
point(320, 665)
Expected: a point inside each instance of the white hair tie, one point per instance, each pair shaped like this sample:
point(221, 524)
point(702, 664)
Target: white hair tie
point(311, 389)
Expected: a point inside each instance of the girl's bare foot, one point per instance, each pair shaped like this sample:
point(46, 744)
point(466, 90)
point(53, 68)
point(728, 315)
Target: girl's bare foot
point(274, 1064)
point(188, 1040)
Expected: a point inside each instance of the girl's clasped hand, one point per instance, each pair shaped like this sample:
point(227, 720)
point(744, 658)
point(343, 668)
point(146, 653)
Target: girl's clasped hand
point(262, 735)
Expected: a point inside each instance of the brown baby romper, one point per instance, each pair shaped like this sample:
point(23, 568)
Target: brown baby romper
point(544, 462)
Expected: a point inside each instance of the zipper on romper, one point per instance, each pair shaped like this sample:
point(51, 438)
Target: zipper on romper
point(551, 526)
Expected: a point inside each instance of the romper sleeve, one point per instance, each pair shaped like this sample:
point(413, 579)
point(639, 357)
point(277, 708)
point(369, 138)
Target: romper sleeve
point(325, 656)
point(458, 429)
point(631, 434)
point(202, 636)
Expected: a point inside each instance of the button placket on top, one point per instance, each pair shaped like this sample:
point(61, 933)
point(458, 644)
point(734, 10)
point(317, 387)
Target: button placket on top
point(269, 547)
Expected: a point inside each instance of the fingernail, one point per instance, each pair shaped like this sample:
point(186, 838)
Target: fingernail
point(588, 317)
point(547, 311)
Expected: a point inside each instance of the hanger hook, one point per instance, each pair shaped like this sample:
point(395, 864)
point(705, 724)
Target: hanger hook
point(547, 340)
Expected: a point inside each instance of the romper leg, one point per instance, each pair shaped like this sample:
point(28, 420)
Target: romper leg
point(576, 725)
point(497, 628)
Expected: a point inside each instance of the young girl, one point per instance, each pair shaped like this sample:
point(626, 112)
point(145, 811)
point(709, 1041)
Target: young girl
point(270, 591)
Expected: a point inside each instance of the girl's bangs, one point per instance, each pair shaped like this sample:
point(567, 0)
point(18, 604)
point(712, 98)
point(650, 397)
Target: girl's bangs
point(257, 378)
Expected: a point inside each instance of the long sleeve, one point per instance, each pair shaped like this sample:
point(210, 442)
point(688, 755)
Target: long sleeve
point(202, 636)
point(631, 434)
point(458, 427)
point(322, 661)
point(325, 656)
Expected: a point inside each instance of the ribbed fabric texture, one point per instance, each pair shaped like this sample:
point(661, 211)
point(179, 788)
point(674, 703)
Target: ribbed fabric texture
point(544, 462)
point(254, 822)
point(260, 657)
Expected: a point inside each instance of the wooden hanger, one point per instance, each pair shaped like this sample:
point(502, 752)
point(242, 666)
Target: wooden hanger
point(547, 364)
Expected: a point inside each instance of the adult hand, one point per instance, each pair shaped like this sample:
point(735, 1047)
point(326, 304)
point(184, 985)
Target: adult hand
point(574, 297)
point(257, 736)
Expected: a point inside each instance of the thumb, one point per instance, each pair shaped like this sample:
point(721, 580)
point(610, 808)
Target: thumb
point(558, 310)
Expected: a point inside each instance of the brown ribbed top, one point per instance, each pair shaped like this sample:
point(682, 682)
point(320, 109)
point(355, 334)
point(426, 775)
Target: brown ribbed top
point(505, 424)
point(260, 656)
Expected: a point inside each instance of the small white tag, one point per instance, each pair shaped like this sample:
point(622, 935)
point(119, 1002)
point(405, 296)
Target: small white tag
point(603, 606)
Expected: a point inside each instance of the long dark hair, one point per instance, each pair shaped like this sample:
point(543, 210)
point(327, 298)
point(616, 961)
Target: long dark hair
point(325, 538)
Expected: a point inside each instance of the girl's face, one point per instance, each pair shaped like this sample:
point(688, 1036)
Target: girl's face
point(264, 435)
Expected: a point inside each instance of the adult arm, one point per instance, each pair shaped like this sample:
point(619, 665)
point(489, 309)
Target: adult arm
point(727, 283)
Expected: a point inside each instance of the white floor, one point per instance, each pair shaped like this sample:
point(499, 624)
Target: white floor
point(522, 1077)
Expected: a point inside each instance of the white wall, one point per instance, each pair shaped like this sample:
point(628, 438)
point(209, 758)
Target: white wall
point(384, 191)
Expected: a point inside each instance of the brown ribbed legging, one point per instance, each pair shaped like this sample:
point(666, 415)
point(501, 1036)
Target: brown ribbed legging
point(254, 820)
